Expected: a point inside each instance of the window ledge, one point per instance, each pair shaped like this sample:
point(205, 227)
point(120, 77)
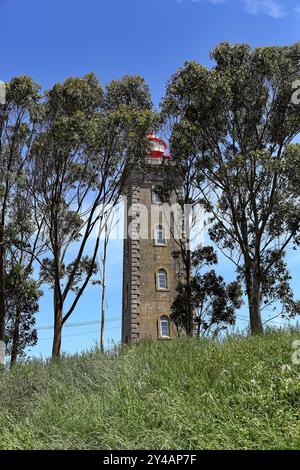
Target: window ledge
point(155, 203)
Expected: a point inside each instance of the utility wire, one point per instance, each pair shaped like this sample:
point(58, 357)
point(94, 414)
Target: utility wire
point(77, 334)
point(247, 319)
point(95, 322)
point(97, 331)
point(70, 325)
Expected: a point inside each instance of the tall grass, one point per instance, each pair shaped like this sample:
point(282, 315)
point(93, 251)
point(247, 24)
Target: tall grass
point(241, 393)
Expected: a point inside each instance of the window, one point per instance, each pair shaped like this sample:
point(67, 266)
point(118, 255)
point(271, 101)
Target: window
point(162, 280)
point(156, 195)
point(164, 326)
point(160, 235)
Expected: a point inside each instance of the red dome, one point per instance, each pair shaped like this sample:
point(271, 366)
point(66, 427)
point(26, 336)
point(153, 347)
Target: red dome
point(158, 147)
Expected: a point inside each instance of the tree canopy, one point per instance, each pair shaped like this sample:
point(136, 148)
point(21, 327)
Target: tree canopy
point(238, 122)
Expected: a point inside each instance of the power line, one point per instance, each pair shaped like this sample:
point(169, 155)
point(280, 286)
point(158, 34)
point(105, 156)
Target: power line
point(239, 317)
point(77, 334)
point(111, 320)
point(107, 329)
point(242, 318)
point(71, 325)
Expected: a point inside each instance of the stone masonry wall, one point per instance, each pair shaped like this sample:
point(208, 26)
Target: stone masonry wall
point(143, 303)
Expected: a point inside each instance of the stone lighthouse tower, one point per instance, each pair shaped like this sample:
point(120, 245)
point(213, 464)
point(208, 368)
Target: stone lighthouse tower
point(150, 272)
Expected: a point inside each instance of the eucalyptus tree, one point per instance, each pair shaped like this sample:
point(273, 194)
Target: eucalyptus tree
point(187, 225)
point(22, 305)
point(239, 119)
point(19, 121)
point(89, 140)
point(213, 301)
point(22, 287)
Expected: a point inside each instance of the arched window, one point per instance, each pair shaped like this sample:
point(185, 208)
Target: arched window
point(160, 235)
point(162, 279)
point(164, 327)
point(157, 195)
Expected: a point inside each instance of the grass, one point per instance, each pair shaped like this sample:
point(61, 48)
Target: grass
point(241, 393)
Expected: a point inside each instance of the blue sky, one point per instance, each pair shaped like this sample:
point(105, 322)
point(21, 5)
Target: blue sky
point(54, 39)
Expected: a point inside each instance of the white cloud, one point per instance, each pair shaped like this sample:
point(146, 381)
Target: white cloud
point(273, 8)
point(269, 7)
point(214, 2)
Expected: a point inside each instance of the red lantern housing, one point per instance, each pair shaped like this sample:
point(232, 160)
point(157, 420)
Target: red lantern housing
point(158, 148)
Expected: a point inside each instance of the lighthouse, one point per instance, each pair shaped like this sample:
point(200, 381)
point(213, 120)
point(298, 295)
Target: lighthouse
point(150, 271)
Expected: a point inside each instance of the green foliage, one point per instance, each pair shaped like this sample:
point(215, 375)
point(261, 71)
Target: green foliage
point(64, 160)
point(131, 92)
point(22, 304)
point(22, 93)
point(19, 118)
point(86, 265)
point(241, 393)
point(234, 124)
point(89, 140)
point(74, 95)
point(213, 301)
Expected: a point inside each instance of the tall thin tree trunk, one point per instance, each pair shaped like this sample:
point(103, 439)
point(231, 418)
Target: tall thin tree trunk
point(190, 323)
point(256, 324)
point(58, 317)
point(199, 328)
point(2, 284)
point(103, 294)
point(56, 347)
point(253, 287)
point(16, 337)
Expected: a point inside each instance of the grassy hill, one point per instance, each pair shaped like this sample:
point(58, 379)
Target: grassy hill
point(243, 393)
